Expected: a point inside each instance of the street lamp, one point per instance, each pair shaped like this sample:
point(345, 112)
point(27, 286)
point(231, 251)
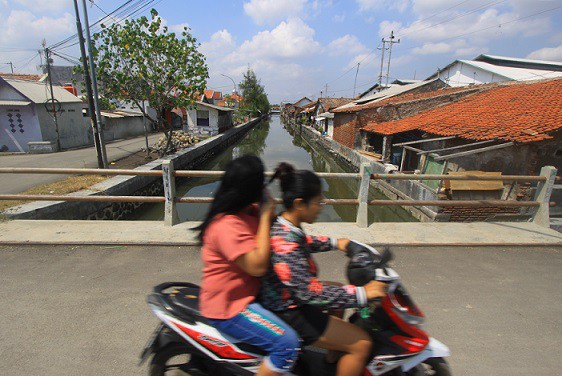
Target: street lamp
point(233, 83)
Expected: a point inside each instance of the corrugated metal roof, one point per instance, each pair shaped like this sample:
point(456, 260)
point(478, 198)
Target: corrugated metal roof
point(384, 94)
point(39, 92)
point(14, 103)
point(519, 60)
point(518, 74)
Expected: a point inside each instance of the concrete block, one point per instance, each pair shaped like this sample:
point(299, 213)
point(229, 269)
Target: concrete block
point(42, 147)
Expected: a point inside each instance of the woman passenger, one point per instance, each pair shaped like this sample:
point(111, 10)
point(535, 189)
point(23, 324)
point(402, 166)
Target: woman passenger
point(236, 252)
point(291, 288)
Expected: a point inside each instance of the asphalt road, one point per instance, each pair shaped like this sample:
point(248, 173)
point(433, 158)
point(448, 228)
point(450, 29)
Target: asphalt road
point(77, 158)
point(81, 310)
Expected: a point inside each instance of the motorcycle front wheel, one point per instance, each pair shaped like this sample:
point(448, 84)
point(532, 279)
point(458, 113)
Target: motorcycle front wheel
point(436, 367)
point(175, 360)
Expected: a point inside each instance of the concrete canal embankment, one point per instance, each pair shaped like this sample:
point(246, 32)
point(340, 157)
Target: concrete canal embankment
point(396, 189)
point(129, 185)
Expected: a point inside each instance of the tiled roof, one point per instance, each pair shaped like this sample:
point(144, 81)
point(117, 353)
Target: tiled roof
point(330, 103)
point(209, 93)
point(402, 98)
point(26, 77)
point(520, 112)
point(217, 95)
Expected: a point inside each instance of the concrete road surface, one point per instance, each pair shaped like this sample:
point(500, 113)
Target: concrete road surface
point(77, 158)
point(81, 310)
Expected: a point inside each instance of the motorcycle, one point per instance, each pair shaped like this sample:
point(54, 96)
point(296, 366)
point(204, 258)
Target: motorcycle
point(184, 343)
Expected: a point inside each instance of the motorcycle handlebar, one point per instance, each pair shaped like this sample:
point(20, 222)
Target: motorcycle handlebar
point(166, 285)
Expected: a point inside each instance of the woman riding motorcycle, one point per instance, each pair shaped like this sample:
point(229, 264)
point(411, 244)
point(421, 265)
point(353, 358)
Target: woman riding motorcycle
point(291, 288)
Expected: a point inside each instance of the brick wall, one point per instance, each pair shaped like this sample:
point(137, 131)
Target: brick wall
point(345, 128)
point(347, 125)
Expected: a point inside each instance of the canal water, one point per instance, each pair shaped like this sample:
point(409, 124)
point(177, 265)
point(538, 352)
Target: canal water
point(274, 144)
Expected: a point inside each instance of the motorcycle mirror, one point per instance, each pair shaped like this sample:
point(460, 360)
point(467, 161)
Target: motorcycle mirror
point(386, 256)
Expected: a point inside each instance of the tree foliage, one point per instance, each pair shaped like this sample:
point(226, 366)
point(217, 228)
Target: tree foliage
point(141, 61)
point(255, 100)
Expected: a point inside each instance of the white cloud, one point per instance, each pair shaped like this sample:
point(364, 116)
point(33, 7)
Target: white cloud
point(221, 43)
point(547, 53)
point(271, 11)
point(346, 45)
point(289, 40)
point(370, 5)
point(339, 18)
point(178, 28)
point(433, 48)
point(44, 5)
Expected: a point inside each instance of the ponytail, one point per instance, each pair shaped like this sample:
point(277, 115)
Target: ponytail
point(303, 184)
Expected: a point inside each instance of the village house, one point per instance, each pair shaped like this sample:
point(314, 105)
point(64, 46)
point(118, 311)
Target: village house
point(379, 87)
point(207, 119)
point(489, 69)
point(350, 118)
point(513, 128)
point(323, 117)
point(26, 119)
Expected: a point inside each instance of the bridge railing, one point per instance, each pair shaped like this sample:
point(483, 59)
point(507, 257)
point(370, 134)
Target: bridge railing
point(541, 202)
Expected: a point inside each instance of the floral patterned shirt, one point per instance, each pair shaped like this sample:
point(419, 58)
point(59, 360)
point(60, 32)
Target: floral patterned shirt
point(292, 277)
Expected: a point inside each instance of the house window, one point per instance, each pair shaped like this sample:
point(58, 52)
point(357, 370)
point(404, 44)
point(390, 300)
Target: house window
point(202, 118)
point(558, 153)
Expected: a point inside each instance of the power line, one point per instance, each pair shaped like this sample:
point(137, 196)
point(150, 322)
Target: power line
point(487, 5)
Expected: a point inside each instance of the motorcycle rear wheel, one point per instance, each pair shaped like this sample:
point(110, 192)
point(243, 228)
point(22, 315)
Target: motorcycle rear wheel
point(174, 360)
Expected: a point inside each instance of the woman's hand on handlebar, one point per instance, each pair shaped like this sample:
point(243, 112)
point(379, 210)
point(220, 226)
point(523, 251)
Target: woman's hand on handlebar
point(375, 289)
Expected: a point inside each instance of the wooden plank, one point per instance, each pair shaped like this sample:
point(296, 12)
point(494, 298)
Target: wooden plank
point(422, 141)
point(475, 185)
point(476, 151)
point(456, 147)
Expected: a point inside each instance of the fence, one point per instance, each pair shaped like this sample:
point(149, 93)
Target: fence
point(545, 184)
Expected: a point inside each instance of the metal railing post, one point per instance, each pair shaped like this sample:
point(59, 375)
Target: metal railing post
point(171, 216)
point(363, 197)
point(544, 189)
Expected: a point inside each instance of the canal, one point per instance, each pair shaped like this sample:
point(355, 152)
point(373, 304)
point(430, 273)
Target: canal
point(274, 144)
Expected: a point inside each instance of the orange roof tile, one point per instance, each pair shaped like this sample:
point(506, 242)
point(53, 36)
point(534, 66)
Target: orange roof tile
point(25, 77)
point(208, 93)
point(217, 95)
point(521, 112)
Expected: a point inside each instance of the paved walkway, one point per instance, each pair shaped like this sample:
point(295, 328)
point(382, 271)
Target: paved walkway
point(77, 158)
point(81, 310)
point(395, 234)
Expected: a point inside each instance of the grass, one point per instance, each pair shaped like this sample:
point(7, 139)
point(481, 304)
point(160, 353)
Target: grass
point(63, 187)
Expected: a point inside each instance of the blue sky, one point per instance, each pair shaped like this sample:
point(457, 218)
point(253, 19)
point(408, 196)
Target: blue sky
point(296, 47)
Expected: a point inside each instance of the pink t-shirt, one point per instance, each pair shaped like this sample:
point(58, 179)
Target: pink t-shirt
point(226, 289)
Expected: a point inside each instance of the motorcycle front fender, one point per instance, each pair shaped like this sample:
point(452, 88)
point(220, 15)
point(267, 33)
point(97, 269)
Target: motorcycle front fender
point(435, 349)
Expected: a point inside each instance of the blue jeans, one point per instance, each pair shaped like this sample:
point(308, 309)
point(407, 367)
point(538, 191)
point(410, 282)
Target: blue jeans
point(261, 328)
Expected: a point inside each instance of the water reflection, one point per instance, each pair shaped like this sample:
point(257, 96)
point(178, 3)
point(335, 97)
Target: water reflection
point(273, 143)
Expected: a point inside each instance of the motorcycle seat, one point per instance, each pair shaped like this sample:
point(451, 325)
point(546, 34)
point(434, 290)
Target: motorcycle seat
point(186, 301)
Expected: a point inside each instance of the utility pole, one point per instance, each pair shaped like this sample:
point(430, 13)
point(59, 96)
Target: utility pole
point(54, 109)
point(355, 82)
point(391, 41)
point(326, 92)
point(382, 61)
point(11, 66)
point(94, 84)
point(93, 119)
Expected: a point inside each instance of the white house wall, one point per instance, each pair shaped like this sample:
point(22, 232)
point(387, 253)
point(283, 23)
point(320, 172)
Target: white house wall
point(212, 129)
point(18, 126)
point(73, 126)
point(461, 74)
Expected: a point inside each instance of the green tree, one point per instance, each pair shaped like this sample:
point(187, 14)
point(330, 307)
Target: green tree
point(255, 100)
point(141, 61)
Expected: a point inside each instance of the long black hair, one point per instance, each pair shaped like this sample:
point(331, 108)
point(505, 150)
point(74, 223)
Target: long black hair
point(241, 185)
point(303, 184)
